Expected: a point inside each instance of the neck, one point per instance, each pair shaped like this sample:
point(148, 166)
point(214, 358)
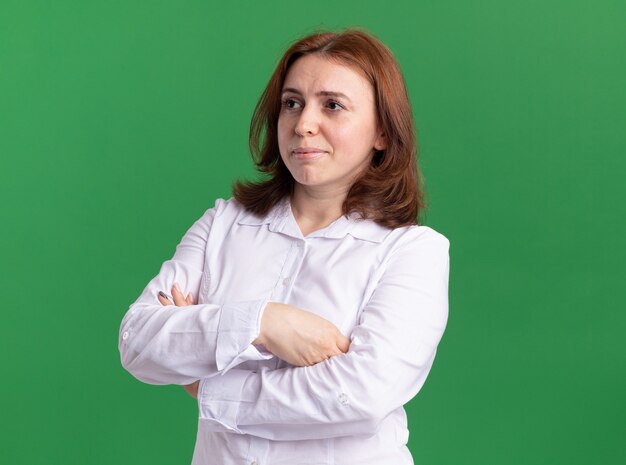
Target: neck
point(315, 209)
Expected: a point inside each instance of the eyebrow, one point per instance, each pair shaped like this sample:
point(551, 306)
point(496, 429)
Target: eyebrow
point(323, 93)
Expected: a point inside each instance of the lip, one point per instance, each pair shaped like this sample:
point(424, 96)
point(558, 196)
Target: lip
point(308, 153)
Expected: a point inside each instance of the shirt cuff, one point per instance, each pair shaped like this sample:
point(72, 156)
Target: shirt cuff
point(240, 324)
point(219, 399)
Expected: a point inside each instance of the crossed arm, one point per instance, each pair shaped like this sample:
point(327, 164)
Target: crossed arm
point(299, 337)
point(347, 393)
point(389, 356)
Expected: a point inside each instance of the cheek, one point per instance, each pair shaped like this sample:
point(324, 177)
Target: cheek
point(354, 138)
point(348, 138)
point(283, 142)
point(282, 133)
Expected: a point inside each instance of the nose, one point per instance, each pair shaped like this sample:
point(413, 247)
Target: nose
point(308, 122)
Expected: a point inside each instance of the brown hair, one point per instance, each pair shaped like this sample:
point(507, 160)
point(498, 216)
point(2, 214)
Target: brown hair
point(390, 190)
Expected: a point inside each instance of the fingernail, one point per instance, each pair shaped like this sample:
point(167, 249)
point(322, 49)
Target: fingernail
point(162, 294)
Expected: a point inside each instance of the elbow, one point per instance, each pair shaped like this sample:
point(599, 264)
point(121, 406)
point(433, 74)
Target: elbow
point(148, 357)
point(142, 367)
point(361, 415)
point(368, 404)
point(133, 359)
point(369, 426)
point(143, 371)
point(128, 356)
point(132, 352)
point(129, 359)
point(151, 367)
point(369, 421)
point(374, 417)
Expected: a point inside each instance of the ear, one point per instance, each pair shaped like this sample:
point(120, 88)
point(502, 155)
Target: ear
point(381, 142)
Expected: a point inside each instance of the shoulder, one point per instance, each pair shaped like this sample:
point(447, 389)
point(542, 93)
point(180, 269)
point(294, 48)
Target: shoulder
point(228, 207)
point(421, 234)
point(229, 211)
point(405, 238)
point(416, 253)
point(417, 241)
point(223, 208)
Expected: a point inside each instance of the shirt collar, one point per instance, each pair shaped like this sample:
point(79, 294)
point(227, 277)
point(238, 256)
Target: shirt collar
point(280, 219)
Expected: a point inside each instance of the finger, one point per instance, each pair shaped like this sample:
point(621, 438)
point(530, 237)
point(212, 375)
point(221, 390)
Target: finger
point(334, 353)
point(192, 389)
point(337, 351)
point(164, 299)
point(189, 299)
point(343, 343)
point(179, 298)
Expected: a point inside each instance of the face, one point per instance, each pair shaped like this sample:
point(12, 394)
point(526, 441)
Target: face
point(327, 131)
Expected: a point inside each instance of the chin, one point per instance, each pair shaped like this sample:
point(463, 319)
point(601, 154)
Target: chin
point(307, 178)
point(308, 182)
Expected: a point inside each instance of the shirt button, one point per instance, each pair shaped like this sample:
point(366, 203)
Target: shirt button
point(125, 335)
point(286, 282)
point(254, 462)
point(343, 398)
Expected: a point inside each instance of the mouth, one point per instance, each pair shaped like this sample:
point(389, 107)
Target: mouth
point(308, 153)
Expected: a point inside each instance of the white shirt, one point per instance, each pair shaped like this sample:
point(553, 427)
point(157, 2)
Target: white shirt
point(386, 289)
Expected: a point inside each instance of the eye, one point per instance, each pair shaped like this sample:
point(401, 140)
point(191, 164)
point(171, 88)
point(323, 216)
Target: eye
point(333, 105)
point(290, 103)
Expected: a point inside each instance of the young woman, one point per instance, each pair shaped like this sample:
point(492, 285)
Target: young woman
point(307, 309)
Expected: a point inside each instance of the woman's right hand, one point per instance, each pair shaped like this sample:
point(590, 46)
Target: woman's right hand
point(299, 337)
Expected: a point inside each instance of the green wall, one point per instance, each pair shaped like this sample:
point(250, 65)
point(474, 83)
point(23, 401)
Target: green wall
point(122, 121)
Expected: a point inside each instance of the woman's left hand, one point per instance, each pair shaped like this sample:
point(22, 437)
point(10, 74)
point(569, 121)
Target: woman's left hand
point(180, 300)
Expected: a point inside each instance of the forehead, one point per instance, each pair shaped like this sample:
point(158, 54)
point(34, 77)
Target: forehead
point(314, 73)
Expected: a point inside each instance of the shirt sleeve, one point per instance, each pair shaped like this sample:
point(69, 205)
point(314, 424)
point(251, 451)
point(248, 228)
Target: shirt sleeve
point(179, 345)
point(392, 350)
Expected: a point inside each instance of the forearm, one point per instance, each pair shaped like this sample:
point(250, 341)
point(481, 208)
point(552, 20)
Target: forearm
point(178, 345)
point(344, 396)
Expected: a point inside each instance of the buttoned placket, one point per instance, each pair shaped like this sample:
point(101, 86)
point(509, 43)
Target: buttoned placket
point(259, 447)
point(290, 269)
